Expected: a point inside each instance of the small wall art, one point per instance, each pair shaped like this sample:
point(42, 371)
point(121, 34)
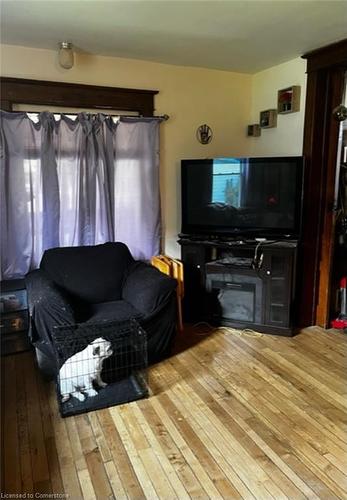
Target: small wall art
point(204, 134)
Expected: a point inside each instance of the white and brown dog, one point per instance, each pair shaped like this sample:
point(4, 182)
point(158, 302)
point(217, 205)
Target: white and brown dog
point(79, 373)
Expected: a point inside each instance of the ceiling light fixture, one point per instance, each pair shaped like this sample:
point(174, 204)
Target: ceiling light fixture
point(66, 56)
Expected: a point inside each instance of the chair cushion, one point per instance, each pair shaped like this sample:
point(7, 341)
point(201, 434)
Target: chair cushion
point(93, 274)
point(118, 310)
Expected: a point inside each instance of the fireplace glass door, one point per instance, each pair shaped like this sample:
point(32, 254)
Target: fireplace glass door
point(235, 296)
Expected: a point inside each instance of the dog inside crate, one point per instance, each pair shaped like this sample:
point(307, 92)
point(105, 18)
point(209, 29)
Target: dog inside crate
point(80, 375)
point(100, 365)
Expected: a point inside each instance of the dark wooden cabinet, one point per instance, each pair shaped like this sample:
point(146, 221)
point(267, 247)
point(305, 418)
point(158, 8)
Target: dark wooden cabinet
point(241, 284)
point(14, 322)
point(194, 258)
point(280, 285)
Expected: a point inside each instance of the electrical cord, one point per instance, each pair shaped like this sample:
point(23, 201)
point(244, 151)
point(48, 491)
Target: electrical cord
point(257, 262)
point(225, 330)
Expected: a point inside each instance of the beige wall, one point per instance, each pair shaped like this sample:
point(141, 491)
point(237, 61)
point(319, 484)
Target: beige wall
point(287, 137)
point(191, 96)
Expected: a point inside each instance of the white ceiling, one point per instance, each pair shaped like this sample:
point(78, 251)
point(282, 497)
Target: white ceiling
point(237, 35)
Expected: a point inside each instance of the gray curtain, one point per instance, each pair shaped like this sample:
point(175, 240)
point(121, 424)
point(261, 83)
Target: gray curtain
point(76, 181)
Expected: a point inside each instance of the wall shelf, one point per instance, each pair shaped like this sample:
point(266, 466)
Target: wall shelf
point(268, 118)
point(253, 130)
point(288, 100)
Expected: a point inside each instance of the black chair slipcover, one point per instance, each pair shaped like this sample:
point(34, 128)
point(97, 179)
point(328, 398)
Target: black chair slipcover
point(93, 284)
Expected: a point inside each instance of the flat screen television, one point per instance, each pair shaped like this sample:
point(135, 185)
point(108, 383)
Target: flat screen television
point(256, 197)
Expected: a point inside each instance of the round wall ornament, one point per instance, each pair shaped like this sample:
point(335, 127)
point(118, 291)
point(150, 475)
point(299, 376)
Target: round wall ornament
point(340, 113)
point(204, 134)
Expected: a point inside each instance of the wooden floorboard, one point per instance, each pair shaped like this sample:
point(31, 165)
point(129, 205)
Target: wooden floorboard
point(229, 416)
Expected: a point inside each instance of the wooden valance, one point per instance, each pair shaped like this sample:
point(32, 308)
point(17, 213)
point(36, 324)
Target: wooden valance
point(75, 95)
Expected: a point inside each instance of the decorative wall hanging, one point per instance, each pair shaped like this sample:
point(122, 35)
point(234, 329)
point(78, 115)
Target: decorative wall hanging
point(268, 118)
point(253, 130)
point(340, 113)
point(288, 100)
point(204, 134)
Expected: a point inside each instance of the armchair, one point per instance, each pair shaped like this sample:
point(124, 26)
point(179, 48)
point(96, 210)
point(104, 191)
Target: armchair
point(95, 284)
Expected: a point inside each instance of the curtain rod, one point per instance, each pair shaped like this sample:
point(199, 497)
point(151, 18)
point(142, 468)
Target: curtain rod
point(164, 117)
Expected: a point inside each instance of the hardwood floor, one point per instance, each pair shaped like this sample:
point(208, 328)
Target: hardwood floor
point(228, 417)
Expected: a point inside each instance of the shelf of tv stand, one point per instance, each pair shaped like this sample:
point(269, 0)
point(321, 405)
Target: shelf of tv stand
point(273, 283)
point(237, 242)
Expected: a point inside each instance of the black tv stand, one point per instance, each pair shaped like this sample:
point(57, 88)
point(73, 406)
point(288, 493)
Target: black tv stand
point(243, 283)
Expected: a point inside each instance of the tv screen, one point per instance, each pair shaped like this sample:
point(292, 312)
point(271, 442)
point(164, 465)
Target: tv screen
point(256, 196)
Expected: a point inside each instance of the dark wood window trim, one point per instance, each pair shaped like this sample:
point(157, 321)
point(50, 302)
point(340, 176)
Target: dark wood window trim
point(325, 78)
point(74, 95)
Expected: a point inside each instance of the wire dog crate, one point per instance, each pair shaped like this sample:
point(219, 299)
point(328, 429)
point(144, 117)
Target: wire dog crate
point(100, 365)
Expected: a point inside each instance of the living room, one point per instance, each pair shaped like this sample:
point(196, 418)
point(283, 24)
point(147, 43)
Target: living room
point(232, 410)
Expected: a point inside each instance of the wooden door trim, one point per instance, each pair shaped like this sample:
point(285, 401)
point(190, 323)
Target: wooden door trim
point(337, 80)
point(324, 76)
point(326, 57)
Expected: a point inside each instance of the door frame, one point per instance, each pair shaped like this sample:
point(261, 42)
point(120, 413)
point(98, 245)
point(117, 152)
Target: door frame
point(325, 83)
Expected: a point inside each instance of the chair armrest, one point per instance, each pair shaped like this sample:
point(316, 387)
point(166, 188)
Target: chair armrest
point(48, 306)
point(146, 288)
